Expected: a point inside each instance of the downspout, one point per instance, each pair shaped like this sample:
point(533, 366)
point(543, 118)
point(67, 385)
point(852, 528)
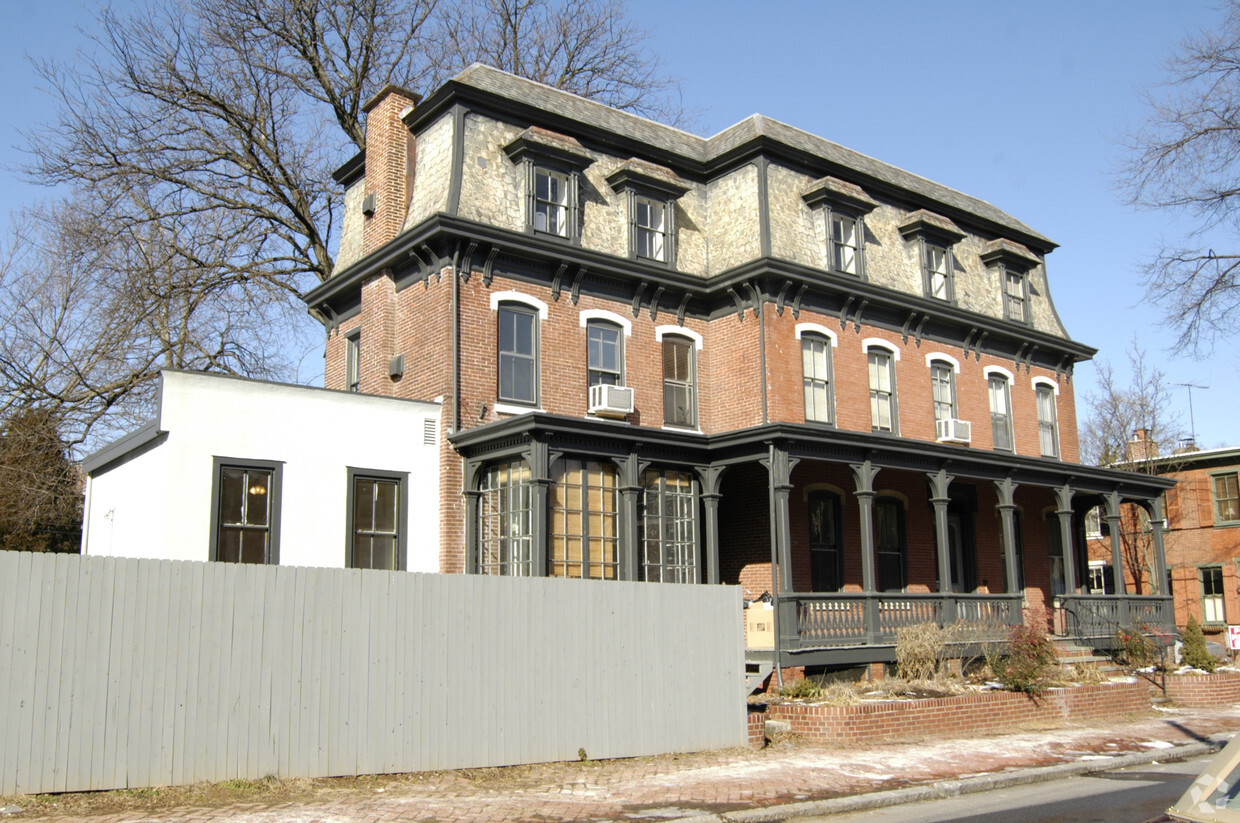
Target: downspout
point(766, 417)
point(770, 457)
point(456, 340)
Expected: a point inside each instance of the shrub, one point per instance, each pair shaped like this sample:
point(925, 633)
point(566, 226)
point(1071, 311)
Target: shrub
point(1135, 648)
point(1196, 654)
point(919, 648)
point(803, 689)
point(1030, 660)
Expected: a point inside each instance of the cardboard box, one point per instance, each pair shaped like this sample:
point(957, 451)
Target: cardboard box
point(760, 626)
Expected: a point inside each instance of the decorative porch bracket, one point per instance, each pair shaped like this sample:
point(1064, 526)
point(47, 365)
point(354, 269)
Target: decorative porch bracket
point(940, 500)
point(1063, 498)
point(1111, 504)
point(1006, 490)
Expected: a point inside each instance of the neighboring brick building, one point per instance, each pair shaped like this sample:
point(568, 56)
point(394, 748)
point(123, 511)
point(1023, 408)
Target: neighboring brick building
point(1202, 536)
point(665, 357)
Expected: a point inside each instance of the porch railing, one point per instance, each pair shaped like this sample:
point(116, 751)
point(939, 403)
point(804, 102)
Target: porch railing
point(817, 620)
point(1098, 617)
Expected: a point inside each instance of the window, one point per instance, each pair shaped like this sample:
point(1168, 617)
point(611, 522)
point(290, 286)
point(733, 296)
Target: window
point(518, 354)
point(1093, 523)
point(583, 520)
point(1000, 412)
point(1015, 296)
point(1048, 428)
point(1101, 577)
point(889, 543)
point(943, 390)
point(1226, 498)
point(826, 566)
point(936, 270)
point(846, 233)
point(882, 391)
point(650, 228)
point(551, 191)
point(245, 511)
point(668, 527)
point(378, 520)
point(1054, 546)
point(816, 378)
point(679, 382)
point(505, 544)
point(1212, 610)
point(604, 354)
point(352, 358)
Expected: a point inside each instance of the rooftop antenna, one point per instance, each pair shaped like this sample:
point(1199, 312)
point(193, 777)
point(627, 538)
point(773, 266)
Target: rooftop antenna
point(1192, 427)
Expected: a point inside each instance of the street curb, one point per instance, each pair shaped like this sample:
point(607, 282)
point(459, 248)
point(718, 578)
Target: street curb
point(953, 788)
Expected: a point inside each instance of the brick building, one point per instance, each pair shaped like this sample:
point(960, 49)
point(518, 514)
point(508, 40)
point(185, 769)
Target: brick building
point(1202, 534)
point(671, 358)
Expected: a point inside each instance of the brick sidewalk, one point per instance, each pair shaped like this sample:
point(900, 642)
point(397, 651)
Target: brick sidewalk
point(676, 786)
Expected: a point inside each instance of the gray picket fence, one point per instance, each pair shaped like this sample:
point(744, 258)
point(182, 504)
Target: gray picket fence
point(131, 673)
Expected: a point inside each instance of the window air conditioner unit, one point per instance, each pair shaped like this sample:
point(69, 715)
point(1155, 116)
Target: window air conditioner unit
point(611, 401)
point(953, 431)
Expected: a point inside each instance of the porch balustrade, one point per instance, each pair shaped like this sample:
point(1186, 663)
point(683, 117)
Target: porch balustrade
point(818, 620)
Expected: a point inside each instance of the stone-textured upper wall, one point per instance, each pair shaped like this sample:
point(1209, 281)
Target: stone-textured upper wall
point(432, 172)
point(351, 226)
point(733, 231)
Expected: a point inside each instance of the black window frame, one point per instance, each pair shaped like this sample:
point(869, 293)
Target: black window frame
point(515, 308)
point(995, 418)
point(353, 360)
point(826, 543)
point(690, 385)
point(900, 548)
point(892, 399)
point(812, 383)
point(570, 207)
point(1041, 390)
point(927, 271)
point(353, 475)
point(636, 229)
point(654, 482)
point(833, 213)
point(592, 369)
point(935, 382)
point(275, 469)
point(1006, 272)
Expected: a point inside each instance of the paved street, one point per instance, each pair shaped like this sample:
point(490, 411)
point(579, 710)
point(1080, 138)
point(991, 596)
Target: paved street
point(728, 783)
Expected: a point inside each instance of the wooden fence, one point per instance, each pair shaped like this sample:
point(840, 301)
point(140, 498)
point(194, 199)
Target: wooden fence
point(130, 673)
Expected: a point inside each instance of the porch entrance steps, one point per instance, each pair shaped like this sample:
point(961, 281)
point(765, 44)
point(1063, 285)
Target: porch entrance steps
point(1070, 652)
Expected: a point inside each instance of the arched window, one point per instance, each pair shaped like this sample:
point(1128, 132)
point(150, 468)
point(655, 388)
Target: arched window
point(583, 520)
point(1000, 410)
point(679, 381)
point(881, 359)
point(816, 378)
point(1048, 418)
point(505, 543)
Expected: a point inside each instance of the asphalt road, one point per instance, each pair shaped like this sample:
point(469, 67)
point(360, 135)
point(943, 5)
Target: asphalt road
point(1129, 795)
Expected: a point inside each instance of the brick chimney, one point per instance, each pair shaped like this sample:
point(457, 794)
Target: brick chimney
point(389, 165)
point(1140, 447)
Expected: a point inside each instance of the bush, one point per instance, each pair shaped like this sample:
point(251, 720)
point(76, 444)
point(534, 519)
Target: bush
point(1135, 649)
point(803, 689)
point(1030, 661)
point(1196, 654)
point(919, 649)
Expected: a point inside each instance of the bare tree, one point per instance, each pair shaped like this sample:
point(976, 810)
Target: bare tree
point(1186, 160)
point(1130, 427)
point(201, 135)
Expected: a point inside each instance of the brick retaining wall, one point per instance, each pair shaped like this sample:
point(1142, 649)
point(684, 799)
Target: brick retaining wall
point(1196, 690)
point(967, 714)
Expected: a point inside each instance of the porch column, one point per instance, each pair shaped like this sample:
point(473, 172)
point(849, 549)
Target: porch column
point(711, 477)
point(1158, 522)
point(863, 476)
point(1111, 502)
point(1063, 498)
point(780, 466)
point(630, 496)
point(1006, 490)
point(540, 465)
point(939, 481)
point(472, 494)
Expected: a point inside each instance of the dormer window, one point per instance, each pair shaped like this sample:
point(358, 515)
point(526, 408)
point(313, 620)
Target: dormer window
point(844, 207)
point(935, 235)
point(553, 163)
point(1012, 261)
point(652, 193)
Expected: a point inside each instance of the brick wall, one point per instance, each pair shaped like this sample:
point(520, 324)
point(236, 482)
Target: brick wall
point(1204, 689)
point(982, 713)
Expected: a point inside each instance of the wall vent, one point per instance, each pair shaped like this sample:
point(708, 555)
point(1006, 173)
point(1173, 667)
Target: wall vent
point(430, 431)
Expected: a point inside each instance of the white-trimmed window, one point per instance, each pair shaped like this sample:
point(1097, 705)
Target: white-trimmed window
point(999, 387)
point(517, 326)
point(604, 354)
point(1212, 608)
point(679, 381)
point(1048, 421)
point(881, 366)
point(816, 378)
point(943, 389)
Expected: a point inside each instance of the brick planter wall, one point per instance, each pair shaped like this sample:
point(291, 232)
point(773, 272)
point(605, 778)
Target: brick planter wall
point(967, 714)
point(1204, 689)
point(757, 726)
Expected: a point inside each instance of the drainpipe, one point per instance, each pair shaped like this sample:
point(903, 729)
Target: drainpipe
point(456, 340)
point(770, 458)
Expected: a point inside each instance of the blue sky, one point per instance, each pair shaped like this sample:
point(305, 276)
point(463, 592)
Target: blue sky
point(1020, 104)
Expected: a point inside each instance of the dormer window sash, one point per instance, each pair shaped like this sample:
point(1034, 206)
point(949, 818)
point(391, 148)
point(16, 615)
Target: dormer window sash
point(844, 207)
point(651, 192)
